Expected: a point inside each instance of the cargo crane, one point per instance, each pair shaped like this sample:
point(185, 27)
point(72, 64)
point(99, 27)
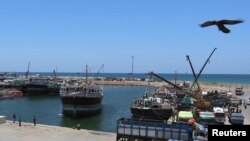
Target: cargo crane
point(190, 63)
point(98, 72)
point(200, 103)
point(101, 68)
point(196, 78)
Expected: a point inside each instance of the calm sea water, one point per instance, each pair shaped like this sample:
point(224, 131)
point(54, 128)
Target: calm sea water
point(115, 105)
point(214, 78)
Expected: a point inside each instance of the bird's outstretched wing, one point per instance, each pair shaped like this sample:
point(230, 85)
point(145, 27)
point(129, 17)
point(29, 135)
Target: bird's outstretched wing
point(231, 21)
point(208, 23)
point(223, 28)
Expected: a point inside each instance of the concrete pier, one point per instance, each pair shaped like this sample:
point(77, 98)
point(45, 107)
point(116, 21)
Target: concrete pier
point(10, 131)
point(205, 86)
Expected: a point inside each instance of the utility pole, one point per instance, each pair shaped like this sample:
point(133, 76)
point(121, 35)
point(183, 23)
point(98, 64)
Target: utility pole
point(28, 70)
point(175, 77)
point(132, 72)
point(86, 74)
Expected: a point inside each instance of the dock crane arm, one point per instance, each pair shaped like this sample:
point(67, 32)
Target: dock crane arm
point(170, 83)
point(201, 70)
point(98, 72)
point(190, 63)
point(201, 103)
point(101, 68)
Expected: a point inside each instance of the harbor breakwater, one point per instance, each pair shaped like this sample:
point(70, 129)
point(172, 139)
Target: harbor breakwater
point(117, 81)
point(206, 86)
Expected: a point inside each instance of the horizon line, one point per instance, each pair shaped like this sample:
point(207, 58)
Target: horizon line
point(127, 73)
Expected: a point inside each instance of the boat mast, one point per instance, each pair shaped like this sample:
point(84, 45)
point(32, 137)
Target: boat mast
point(54, 72)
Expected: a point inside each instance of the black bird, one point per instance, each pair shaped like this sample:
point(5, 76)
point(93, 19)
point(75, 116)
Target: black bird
point(220, 24)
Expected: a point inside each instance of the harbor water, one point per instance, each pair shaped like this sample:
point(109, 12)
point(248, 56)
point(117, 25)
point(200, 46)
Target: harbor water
point(115, 104)
point(47, 109)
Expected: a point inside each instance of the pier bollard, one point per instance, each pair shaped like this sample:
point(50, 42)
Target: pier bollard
point(78, 126)
point(20, 124)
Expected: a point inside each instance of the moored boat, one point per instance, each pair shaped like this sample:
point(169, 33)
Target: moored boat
point(53, 88)
point(81, 100)
point(37, 85)
point(157, 106)
point(42, 85)
point(10, 93)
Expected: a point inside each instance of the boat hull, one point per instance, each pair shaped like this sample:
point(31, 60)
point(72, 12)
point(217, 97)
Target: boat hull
point(80, 111)
point(37, 89)
point(80, 106)
point(53, 90)
point(151, 113)
point(41, 89)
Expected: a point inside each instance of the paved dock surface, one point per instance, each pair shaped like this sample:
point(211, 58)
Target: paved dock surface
point(10, 131)
point(246, 112)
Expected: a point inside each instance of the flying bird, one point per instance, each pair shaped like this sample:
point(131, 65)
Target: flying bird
point(220, 24)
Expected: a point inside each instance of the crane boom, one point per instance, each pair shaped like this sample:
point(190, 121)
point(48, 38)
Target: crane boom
point(201, 103)
point(101, 68)
point(201, 70)
point(172, 84)
point(190, 63)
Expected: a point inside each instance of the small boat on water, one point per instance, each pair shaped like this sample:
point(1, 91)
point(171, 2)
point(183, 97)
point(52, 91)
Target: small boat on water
point(81, 100)
point(156, 105)
point(10, 93)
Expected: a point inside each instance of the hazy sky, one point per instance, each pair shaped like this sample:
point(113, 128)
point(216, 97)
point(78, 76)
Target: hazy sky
point(68, 34)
